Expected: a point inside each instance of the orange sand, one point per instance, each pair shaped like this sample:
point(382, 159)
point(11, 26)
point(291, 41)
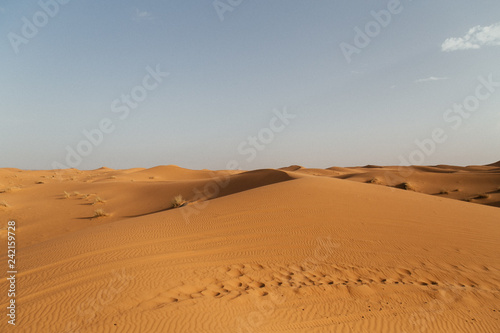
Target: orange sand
point(288, 250)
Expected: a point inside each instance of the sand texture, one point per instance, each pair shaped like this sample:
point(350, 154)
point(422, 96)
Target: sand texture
point(362, 249)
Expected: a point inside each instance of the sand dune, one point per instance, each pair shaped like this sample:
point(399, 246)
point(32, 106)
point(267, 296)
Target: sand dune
point(288, 250)
point(477, 184)
point(496, 164)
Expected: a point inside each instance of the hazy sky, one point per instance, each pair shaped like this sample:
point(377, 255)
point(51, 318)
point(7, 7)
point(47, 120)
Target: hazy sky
point(261, 83)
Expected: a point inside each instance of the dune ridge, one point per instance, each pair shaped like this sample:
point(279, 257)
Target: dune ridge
point(289, 250)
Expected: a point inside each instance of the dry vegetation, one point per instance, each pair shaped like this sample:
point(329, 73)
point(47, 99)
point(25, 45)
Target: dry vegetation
point(100, 213)
point(406, 186)
point(178, 201)
point(98, 200)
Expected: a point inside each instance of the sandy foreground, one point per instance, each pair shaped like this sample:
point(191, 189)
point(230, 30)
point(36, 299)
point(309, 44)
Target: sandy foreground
point(365, 249)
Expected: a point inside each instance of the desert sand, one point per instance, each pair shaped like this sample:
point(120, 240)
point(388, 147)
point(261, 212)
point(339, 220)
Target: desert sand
point(362, 249)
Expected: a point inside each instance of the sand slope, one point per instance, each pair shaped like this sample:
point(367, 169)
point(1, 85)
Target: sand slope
point(290, 250)
point(477, 184)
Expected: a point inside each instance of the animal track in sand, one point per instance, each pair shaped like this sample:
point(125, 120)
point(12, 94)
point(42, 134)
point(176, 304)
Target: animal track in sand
point(234, 281)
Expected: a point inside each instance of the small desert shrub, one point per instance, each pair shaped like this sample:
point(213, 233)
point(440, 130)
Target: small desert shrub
point(3, 204)
point(406, 186)
point(100, 213)
point(80, 195)
point(178, 201)
point(66, 195)
point(443, 192)
point(40, 182)
point(98, 200)
point(112, 177)
point(482, 196)
point(374, 181)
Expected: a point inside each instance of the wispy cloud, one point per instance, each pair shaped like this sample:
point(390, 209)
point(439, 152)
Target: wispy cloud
point(477, 37)
point(142, 16)
point(432, 78)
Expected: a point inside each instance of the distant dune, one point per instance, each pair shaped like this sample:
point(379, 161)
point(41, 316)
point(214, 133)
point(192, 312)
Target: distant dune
point(496, 164)
point(361, 249)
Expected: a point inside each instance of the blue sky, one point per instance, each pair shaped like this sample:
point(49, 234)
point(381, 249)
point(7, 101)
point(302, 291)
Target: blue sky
point(232, 66)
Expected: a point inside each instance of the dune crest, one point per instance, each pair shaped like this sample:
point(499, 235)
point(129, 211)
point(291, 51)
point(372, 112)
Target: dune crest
point(361, 249)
